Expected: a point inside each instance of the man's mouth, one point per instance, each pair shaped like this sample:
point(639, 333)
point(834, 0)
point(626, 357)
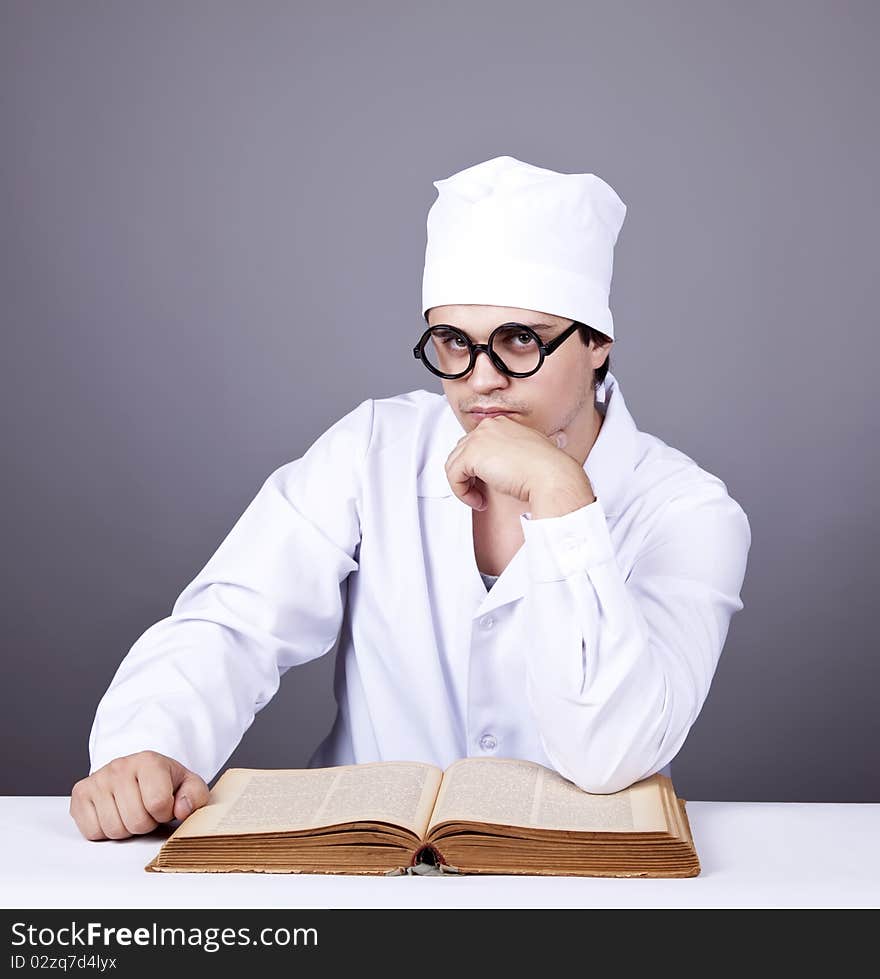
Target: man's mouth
point(485, 412)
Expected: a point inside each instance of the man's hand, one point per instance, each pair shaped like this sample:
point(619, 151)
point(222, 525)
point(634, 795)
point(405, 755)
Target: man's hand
point(519, 462)
point(133, 794)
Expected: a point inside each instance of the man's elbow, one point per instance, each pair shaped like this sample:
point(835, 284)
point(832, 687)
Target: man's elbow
point(605, 764)
point(608, 782)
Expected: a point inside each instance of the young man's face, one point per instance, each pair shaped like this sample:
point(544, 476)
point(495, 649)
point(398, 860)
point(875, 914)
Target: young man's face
point(560, 395)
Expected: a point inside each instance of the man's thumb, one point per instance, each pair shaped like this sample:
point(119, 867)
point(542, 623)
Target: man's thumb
point(191, 793)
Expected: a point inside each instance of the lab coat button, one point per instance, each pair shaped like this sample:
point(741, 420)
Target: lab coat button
point(487, 622)
point(488, 742)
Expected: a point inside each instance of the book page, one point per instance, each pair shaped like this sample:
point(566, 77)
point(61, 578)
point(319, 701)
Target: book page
point(250, 800)
point(523, 793)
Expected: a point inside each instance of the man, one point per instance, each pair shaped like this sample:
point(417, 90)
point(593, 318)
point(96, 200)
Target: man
point(512, 568)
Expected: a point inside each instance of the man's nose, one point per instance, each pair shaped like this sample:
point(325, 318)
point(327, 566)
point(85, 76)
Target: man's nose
point(485, 372)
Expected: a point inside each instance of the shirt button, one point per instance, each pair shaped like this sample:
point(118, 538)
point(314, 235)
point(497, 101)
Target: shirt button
point(487, 622)
point(488, 742)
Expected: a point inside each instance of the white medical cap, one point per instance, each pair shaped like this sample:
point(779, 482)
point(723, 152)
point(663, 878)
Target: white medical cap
point(507, 233)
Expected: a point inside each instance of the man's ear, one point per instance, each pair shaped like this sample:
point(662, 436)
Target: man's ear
point(599, 351)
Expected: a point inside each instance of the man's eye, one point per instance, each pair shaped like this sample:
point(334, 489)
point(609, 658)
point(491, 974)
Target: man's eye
point(519, 339)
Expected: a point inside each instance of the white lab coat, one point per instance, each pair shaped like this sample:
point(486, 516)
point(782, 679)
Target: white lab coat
point(592, 654)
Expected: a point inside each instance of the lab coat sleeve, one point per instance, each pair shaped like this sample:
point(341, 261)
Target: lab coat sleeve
point(619, 668)
point(271, 597)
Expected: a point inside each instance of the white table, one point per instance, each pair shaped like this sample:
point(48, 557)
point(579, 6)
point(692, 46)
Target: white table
point(753, 855)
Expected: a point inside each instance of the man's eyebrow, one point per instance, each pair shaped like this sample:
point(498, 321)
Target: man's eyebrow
point(538, 327)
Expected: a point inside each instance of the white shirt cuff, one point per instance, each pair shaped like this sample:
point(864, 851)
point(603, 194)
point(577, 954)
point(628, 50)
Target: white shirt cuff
point(557, 547)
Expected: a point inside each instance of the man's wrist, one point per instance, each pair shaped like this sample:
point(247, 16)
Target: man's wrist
point(560, 497)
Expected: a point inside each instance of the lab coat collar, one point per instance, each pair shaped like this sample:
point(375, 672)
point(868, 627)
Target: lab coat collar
point(609, 467)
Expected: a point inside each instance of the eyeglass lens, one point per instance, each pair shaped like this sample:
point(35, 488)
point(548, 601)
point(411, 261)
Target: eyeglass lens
point(449, 352)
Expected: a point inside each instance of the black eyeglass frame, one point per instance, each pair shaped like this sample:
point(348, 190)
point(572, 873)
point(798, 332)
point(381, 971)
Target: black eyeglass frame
point(545, 349)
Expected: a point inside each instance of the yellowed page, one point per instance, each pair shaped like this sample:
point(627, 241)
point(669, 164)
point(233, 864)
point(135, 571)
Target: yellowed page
point(523, 793)
point(250, 800)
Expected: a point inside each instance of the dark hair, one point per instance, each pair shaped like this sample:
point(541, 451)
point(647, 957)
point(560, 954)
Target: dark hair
point(588, 334)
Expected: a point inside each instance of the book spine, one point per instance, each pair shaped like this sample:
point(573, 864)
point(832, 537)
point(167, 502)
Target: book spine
point(427, 855)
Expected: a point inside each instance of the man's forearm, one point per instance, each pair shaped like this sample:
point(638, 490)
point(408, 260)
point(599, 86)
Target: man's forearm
point(561, 498)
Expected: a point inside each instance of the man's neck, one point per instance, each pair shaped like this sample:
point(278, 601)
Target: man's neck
point(582, 438)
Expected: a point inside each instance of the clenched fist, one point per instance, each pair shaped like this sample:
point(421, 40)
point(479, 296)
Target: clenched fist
point(134, 794)
point(515, 460)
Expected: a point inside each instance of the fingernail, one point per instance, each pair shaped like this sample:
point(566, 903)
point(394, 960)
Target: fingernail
point(187, 805)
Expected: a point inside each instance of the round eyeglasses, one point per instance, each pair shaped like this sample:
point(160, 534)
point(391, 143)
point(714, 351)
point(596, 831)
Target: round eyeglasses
point(514, 349)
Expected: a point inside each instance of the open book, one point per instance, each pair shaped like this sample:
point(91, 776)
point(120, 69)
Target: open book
point(480, 816)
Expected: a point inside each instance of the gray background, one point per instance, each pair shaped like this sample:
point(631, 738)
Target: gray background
point(212, 232)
